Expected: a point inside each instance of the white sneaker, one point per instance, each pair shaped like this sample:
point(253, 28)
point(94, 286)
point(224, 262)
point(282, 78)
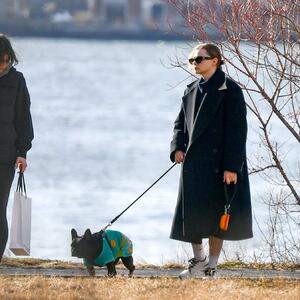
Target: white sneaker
point(195, 268)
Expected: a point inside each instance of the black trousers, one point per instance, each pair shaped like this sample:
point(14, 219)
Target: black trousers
point(7, 173)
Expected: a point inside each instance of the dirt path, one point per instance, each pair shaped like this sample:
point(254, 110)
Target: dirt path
point(223, 273)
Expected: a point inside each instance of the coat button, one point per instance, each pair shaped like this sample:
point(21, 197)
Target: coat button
point(215, 150)
point(216, 170)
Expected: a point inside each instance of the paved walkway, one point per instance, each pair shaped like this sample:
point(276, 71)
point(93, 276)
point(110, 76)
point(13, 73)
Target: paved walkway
point(223, 273)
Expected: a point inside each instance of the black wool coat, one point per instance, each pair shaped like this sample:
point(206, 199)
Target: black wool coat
point(16, 132)
point(213, 143)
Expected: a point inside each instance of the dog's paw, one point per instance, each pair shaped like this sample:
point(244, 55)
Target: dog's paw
point(91, 271)
point(110, 275)
point(130, 274)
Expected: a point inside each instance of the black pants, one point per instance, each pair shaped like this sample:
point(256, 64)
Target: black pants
point(7, 173)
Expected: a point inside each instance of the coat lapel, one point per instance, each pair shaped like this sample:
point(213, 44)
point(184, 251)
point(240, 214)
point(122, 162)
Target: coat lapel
point(206, 112)
point(188, 101)
point(207, 109)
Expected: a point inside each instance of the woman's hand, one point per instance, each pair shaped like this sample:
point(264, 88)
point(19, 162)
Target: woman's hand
point(179, 156)
point(230, 177)
point(21, 164)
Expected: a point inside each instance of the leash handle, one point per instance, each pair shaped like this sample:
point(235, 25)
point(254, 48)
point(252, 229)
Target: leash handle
point(229, 200)
point(224, 220)
point(118, 216)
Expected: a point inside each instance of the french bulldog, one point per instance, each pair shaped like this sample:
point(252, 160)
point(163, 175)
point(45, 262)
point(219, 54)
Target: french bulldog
point(103, 248)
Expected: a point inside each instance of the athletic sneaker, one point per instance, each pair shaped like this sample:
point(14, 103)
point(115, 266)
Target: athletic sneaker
point(195, 268)
point(209, 272)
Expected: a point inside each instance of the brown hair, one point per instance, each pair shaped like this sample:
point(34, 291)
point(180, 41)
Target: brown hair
point(213, 51)
point(7, 49)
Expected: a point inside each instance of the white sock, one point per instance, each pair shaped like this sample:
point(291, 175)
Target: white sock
point(198, 251)
point(213, 261)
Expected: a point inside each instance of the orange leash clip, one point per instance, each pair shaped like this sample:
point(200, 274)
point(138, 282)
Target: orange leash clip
point(224, 220)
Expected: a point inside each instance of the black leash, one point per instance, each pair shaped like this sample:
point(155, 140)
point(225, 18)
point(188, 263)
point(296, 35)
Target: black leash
point(118, 216)
point(229, 200)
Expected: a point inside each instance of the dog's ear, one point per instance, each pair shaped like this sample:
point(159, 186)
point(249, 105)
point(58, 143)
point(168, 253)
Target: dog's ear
point(88, 234)
point(74, 233)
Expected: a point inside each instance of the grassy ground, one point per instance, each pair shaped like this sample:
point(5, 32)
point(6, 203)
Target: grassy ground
point(57, 264)
point(39, 287)
point(36, 287)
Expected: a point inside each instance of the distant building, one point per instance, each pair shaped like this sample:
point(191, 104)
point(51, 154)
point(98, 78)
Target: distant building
point(6, 8)
point(116, 12)
point(103, 14)
point(13, 9)
point(134, 13)
point(71, 5)
point(158, 13)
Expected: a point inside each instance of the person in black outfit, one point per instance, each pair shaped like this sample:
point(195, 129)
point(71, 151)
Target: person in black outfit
point(16, 131)
point(210, 141)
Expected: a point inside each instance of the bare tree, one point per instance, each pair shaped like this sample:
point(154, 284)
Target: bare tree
point(260, 43)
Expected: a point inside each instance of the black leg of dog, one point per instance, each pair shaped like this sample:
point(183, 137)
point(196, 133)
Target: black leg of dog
point(128, 263)
point(111, 269)
point(91, 270)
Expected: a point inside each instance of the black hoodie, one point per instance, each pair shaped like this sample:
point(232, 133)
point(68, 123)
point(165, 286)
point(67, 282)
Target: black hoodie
point(16, 131)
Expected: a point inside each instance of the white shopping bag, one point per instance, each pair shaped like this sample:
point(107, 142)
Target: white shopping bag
point(20, 231)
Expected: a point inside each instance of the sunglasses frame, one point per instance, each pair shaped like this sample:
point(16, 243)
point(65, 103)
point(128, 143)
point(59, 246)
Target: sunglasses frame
point(200, 59)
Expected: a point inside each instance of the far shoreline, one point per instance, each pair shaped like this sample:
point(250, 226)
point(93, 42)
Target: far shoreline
point(32, 30)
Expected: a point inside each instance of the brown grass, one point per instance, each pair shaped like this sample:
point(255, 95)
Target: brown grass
point(57, 264)
point(37, 263)
point(38, 288)
point(259, 266)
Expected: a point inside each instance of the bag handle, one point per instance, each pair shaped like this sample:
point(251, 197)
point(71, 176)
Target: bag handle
point(21, 187)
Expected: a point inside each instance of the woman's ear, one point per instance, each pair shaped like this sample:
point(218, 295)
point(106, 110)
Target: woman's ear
point(215, 61)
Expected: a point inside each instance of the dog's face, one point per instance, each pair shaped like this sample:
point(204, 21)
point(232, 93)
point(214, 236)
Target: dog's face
point(88, 246)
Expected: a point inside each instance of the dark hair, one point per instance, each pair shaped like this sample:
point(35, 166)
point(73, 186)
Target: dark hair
point(7, 49)
point(213, 51)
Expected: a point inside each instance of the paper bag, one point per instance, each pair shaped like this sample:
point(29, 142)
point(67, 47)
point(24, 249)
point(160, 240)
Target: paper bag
point(20, 231)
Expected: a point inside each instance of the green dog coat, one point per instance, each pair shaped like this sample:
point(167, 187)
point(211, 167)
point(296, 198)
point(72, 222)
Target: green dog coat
point(115, 245)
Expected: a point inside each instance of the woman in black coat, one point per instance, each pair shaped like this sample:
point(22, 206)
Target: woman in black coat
point(16, 131)
point(210, 142)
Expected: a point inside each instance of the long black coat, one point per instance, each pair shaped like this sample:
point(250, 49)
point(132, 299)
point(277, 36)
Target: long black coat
point(16, 132)
point(215, 142)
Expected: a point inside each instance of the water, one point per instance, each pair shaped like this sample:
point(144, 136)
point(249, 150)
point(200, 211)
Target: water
point(103, 116)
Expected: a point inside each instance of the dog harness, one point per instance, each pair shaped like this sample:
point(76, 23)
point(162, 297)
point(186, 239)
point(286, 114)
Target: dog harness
point(115, 245)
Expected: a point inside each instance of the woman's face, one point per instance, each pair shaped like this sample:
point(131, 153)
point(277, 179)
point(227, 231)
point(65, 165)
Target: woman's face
point(4, 62)
point(206, 65)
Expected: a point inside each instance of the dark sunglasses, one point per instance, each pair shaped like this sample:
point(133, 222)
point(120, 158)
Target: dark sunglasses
point(199, 59)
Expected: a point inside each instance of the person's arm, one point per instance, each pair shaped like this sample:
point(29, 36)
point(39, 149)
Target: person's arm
point(180, 136)
point(235, 130)
point(23, 122)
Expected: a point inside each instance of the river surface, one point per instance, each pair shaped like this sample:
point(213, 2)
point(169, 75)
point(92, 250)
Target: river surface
point(103, 115)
